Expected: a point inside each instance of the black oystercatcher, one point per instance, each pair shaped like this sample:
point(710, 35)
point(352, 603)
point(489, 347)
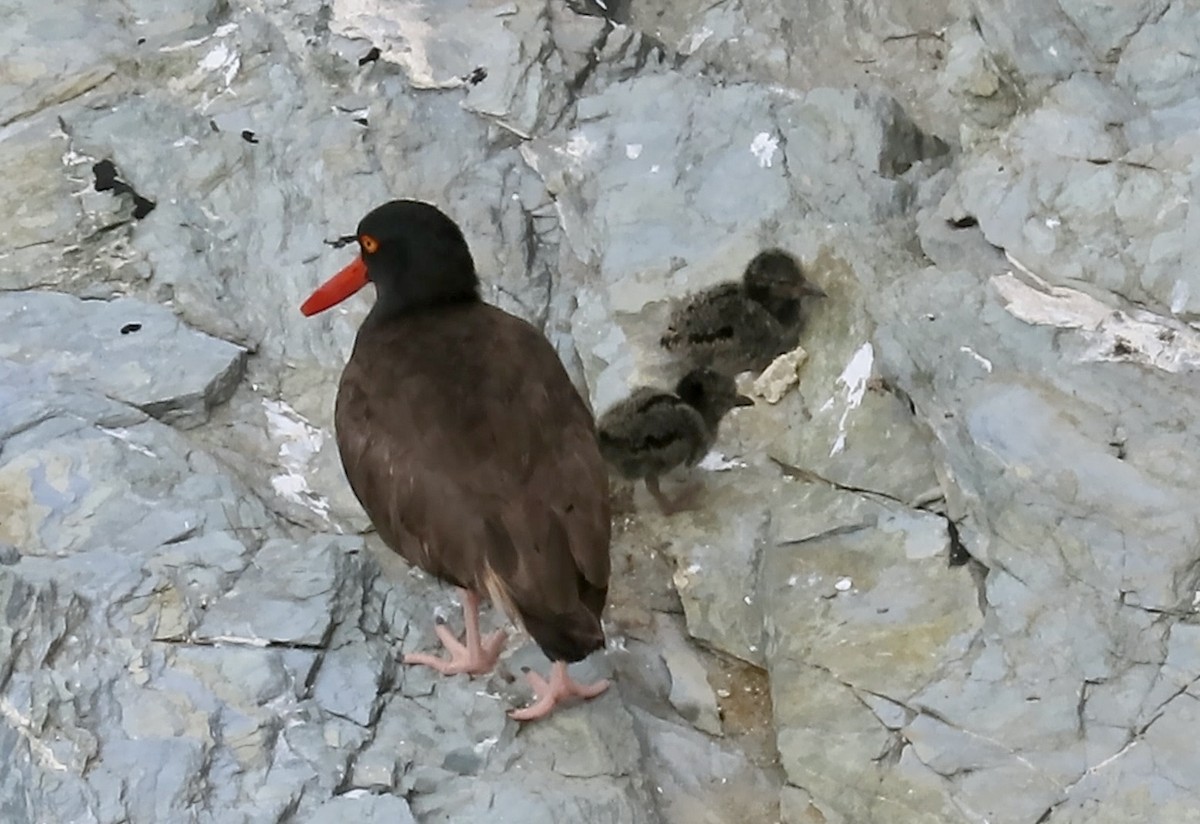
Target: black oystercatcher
point(470, 450)
point(652, 432)
point(733, 327)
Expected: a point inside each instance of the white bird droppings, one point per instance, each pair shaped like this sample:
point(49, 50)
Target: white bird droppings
point(854, 380)
point(716, 462)
point(299, 441)
point(763, 147)
point(980, 359)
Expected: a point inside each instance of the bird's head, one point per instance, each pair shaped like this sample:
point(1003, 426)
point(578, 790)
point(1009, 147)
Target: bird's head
point(414, 254)
point(774, 279)
point(710, 393)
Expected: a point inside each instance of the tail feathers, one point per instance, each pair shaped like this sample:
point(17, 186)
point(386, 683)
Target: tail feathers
point(567, 638)
point(566, 625)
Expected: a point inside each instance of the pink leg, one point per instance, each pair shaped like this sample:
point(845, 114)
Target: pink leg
point(476, 657)
point(550, 693)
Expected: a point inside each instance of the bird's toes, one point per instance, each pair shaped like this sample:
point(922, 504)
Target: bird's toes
point(538, 709)
point(493, 645)
point(573, 687)
point(442, 665)
point(449, 640)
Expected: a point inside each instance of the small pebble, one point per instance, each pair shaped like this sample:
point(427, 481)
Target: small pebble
point(843, 584)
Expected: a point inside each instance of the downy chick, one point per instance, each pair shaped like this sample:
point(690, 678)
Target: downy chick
point(733, 327)
point(653, 431)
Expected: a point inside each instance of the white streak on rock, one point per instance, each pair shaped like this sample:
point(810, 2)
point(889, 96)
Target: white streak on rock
point(854, 378)
point(716, 462)
point(1113, 335)
point(982, 361)
point(24, 727)
point(122, 435)
point(578, 147)
point(299, 442)
point(223, 59)
point(389, 22)
point(697, 40)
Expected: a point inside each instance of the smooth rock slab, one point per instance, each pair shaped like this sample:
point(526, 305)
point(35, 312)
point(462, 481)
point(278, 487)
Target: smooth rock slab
point(699, 780)
point(349, 680)
point(717, 571)
point(691, 694)
point(134, 352)
point(288, 596)
point(363, 809)
point(862, 608)
point(524, 796)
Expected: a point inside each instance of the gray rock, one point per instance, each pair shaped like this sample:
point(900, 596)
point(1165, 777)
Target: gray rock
point(996, 198)
point(900, 47)
point(131, 351)
point(349, 681)
point(697, 779)
point(875, 581)
point(287, 595)
point(716, 575)
point(1060, 230)
point(368, 809)
point(536, 796)
point(690, 693)
point(1024, 456)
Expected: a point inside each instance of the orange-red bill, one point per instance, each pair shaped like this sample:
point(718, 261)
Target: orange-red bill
point(335, 290)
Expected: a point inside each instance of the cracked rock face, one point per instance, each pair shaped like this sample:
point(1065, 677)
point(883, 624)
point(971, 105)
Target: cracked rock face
point(947, 574)
point(131, 351)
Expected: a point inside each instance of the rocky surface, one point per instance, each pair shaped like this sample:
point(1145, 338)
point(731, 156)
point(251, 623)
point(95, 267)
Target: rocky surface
point(131, 351)
point(951, 575)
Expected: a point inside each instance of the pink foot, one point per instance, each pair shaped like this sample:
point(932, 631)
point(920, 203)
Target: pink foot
point(477, 661)
point(550, 693)
point(476, 657)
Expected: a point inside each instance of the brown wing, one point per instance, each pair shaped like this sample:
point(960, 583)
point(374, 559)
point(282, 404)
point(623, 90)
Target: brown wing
point(476, 459)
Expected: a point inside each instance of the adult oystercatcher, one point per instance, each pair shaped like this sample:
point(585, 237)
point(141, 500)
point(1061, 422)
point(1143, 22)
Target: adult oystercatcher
point(470, 450)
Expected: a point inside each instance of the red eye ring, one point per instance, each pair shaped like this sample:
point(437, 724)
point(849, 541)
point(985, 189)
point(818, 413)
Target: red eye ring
point(369, 244)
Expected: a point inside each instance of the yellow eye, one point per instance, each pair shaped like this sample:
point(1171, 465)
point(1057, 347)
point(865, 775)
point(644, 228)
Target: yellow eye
point(369, 244)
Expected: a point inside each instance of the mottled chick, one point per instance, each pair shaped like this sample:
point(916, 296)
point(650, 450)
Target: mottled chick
point(733, 327)
point(653, 431)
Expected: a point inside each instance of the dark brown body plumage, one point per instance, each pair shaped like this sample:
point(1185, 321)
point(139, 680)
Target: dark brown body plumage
point(476, 459)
